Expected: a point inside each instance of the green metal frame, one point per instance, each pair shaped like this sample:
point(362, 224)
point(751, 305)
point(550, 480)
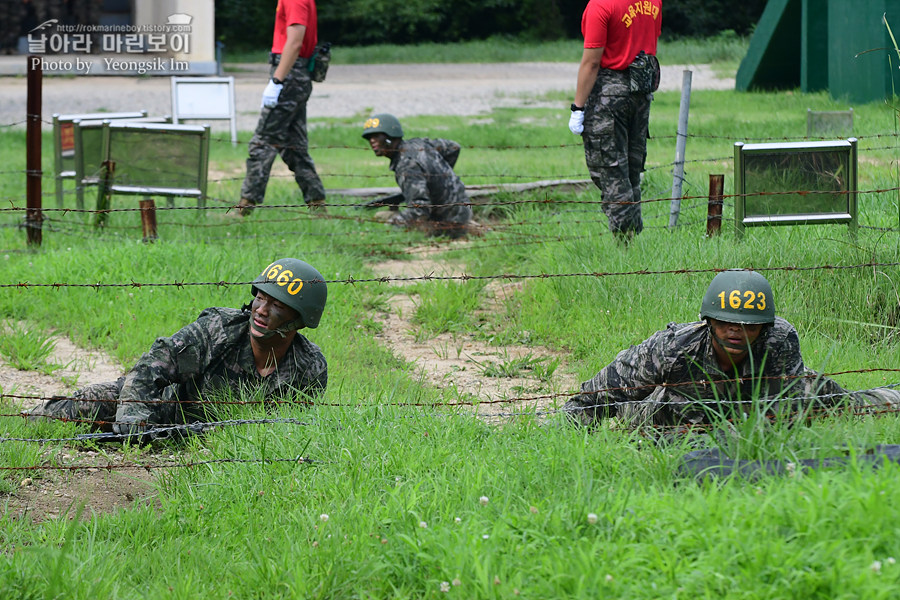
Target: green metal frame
point(741, 221)
point(111, 150)
point(63, 160)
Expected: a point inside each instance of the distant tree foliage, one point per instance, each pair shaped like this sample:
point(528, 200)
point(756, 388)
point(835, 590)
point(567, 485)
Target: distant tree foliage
point(248, 24)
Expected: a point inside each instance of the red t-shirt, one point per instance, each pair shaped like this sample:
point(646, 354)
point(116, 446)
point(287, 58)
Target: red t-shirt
point(623, 28)
point(295, 12)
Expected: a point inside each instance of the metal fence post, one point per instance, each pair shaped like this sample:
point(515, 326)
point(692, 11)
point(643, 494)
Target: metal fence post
point(680, 143)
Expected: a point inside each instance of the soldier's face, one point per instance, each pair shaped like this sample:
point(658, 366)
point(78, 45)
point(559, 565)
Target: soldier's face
point(379, 144)
point(733, 339)
point(267, 313)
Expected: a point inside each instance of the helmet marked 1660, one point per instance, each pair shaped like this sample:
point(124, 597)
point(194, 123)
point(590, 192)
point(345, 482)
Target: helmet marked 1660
point(282, 277)
point(298, 285)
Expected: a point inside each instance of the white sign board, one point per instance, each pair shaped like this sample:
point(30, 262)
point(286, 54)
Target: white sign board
point(204, 98)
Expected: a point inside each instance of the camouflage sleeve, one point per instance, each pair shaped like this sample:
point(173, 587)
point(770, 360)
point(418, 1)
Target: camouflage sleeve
point(789, 375)
point(146, 397)
point(631, 377)
point(311, 368)
point(447, 149)
point(316, 386)
point(413, 182)
point(808, 387)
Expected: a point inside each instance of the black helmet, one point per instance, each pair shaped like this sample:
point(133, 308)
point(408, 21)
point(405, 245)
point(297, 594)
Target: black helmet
point(296, 284)
point(383, 123)
point(739, 296)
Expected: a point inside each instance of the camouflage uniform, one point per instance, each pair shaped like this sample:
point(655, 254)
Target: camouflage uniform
point(435, 196)
point(658, 381)
point(282, 130)
point(168, 383)
point(615, 147)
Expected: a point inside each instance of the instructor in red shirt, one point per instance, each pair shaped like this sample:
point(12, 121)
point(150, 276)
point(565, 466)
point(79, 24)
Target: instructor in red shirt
point(282, 120)
point(616, 80)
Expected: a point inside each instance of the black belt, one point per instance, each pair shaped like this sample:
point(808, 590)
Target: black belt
point(274, 59)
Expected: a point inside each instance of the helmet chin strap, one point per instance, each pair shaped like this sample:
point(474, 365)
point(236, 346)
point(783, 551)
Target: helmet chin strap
point(264, 333)
point(283, 331)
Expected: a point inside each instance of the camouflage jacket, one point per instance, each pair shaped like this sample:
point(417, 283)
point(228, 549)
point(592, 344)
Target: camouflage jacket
point(661, 379)
point(423, 169)
point(211, 355)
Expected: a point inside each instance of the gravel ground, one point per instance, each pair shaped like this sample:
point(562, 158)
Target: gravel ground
point(351, 91)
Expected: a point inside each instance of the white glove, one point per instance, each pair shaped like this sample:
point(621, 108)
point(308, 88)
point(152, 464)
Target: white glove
point(271, 93)
point(576, 122)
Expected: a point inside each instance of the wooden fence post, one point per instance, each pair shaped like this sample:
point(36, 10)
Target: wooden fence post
point(148, 219)
point(714, 208)
point(33, 215)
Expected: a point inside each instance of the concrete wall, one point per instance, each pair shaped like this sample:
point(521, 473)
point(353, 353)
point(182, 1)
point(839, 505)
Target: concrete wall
point(202, 51)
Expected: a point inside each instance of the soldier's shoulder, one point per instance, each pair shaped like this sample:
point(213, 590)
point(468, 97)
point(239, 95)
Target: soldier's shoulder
point(782, 329)
point(684, 331)
point(221, 312)
point(414, 148)
point(781, 335)
point(224, 318)
point(307, 353)
point(304, 345)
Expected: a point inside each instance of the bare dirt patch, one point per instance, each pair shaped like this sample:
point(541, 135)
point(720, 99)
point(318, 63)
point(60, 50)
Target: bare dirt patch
point(462, 361)
point(79, 367)
point(94, 481)
point(60, 494)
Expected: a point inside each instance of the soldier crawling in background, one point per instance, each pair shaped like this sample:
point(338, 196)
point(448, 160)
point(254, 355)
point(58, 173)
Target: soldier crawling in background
point(738, 351)
point(255, 347)
point(435, 196)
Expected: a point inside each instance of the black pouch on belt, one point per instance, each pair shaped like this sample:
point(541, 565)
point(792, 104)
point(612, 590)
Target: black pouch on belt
point(318, 62)
point(643, 74)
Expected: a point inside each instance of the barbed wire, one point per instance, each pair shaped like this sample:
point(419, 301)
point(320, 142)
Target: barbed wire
point(475, 203)
point(464, 277)
point(770, 406)
point(146, 466)
point(811, 376)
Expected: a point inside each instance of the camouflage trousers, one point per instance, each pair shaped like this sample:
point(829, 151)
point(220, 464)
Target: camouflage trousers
point(282, 130)
point(615, 147)
point(98, 404)
point(95, 403)
point(665, 407)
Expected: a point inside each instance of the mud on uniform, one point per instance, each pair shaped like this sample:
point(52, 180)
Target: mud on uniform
point(168, 384)
point(641, 385)
point(435, 196)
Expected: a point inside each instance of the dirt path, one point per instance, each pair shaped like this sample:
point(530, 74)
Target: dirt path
point(59, 493)
point(459, 361)
point(462, 361)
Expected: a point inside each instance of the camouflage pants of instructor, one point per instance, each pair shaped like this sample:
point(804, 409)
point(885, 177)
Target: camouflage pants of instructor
point(282, 130)
point(95, 403)
point(615, 147)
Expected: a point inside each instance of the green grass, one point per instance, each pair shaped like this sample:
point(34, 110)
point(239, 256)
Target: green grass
point(386, 460)
point(725, 50)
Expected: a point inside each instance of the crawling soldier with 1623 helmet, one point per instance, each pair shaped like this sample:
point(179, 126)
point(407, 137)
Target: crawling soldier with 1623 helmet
point(739, 351)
